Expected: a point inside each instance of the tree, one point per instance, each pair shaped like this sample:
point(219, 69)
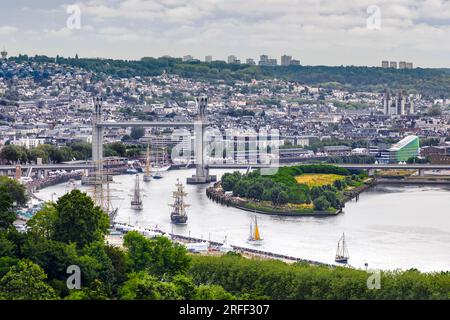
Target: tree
point(229, 180)
point(94, 292)
point(282, 198)
point(7, 247)
point(331, 197)
point(15, 190)
point(25, 281)
point(315, 192)
point(120, 263)
point(275, 192)
point(7, 216)
point(13, 154)
point(142, 286)
point(185, 286)
point(321, 204)
point(137, 133)
point(42, 224)
point(241, 188)
point(52, 256)
point(119, 148)
point(338, 184)
point(104, 270)
point(256, 191)
point(79, 220)
point(159, 255)
point(213, 292)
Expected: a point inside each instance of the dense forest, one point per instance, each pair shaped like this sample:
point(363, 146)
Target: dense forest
point(431, 82)
point(271, 279)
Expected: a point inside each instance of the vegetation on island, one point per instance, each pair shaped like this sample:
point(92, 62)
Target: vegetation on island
point(293, 189)
point(33, 265)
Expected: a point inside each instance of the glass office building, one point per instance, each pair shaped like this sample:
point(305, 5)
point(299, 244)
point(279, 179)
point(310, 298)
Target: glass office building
point(401, 151)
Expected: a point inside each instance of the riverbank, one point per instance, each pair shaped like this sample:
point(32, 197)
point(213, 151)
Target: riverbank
point(216, 194)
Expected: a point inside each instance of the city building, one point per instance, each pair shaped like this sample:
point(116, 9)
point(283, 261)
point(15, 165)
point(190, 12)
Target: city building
point(286, 60)
point(188, 58)
point(402, 65)
point(263, 60)
point(385, 64)
point(403, 150)
point(409, 65)
point(400, 104)
point(27, 142)
point(208, 59)
point(233, 59)
point(272, 62)
point(250, 61)
point(393, 64)
point(295, 62)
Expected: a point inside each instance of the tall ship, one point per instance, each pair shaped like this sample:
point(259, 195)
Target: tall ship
point(161, 166)
point(101, 193)
point(178, 215)
point(342, 255)
point(254, 236)
point(136, 201)
point(148, 174)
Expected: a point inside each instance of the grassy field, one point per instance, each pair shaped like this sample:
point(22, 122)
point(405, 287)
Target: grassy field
point(318, 179)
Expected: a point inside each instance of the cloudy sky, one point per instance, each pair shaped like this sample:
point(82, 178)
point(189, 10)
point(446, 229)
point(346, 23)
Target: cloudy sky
point(318, 32)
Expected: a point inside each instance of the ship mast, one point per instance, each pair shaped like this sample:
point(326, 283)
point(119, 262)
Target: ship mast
point(147, 165)
point(137, 191)
point(179, 205)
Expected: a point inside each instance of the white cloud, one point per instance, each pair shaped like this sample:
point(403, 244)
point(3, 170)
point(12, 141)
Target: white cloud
point(5, 30)
point(315, 31)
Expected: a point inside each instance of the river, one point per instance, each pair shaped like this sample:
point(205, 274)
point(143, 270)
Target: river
point(390, 227)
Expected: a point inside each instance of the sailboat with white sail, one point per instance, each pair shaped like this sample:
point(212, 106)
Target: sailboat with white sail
point(254, 237)
point(161, 166)
point(342, 255)
point(148, 174)
point(136, 201)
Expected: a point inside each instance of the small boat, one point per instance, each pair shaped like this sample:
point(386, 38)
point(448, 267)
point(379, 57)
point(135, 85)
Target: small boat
point(254, 237)
point(136, 202)
point(157, 175)
point(225, 247)
point(342, 255)
point(147, 175)
point(131, 171)
point(178, 214)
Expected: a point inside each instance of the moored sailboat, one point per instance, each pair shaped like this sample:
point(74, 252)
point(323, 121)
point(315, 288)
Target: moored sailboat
point(136, 201)
point(342, 255)
point(178, 214)
point(254, 237)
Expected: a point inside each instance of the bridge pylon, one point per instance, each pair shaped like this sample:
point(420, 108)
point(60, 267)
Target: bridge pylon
point(201, 170)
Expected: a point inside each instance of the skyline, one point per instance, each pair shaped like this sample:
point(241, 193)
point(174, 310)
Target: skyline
point(130, 29)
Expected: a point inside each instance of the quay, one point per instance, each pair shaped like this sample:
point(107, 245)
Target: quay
point(215, 246)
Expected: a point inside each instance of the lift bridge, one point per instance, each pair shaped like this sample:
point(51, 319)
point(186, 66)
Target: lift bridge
point(201, 175)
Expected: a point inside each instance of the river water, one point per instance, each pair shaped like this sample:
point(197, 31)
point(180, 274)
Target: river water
point(390, 227)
